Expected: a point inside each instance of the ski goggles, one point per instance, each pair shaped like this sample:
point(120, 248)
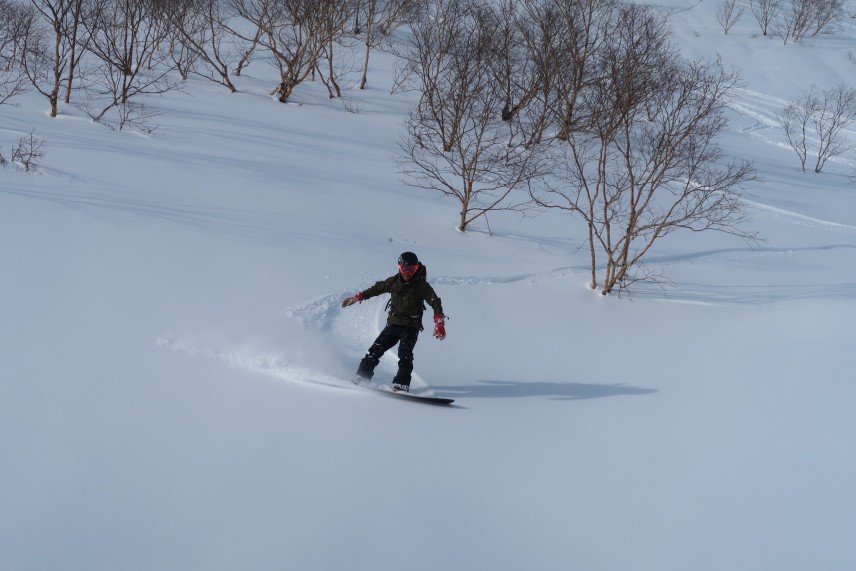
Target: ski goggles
point(408, 270)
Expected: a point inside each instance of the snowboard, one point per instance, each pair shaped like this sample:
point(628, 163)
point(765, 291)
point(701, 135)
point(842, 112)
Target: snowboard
point(402, 395)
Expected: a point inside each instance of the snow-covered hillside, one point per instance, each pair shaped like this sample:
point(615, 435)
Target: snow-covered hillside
point(174, 386)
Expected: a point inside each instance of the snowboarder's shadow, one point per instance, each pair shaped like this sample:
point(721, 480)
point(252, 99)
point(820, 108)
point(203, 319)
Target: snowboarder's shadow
point(551, 390)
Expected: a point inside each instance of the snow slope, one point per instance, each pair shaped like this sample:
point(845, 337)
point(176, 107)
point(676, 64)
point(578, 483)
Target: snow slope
point(173, 380)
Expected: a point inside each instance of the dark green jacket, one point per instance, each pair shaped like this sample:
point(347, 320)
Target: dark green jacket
point(407, 298)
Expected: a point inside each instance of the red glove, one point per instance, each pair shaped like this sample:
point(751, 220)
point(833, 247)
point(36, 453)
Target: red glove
point(352, 300)
point(440, 326)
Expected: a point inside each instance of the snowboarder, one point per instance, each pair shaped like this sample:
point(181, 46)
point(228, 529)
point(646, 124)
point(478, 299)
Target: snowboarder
point(409, 291)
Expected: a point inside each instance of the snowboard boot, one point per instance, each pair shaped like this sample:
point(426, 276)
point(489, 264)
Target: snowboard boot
point(399, 388)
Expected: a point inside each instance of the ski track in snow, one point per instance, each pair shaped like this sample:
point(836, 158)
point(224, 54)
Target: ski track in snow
point(801, 219)
point(759, 107)
point(711, 294)
point(762, 110)
point(280, 365)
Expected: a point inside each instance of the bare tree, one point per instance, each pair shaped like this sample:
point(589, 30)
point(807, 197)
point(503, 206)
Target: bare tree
point(16, 21)
point(371, 7)
point(822, 116)
point(648, 164)
point(12, 84)
point(728, 14)
point(797, 21)
point(380, 18)
point(810, 17)
point(549, 57)
point(295, 32)
point(11, 14)
point(525, 73)
point(795, 119)
point(201, 28)
point(455, 142)
point(46, 48)
point(184, 21)
point(126, 36)
point(765, 12)
point(258, 10)
point(837, 113)
point(589, 24)
point(334, 18)
point(396, 13)
point(13, 23)
point(78, 41)
point(28, 152)
point(827, 16)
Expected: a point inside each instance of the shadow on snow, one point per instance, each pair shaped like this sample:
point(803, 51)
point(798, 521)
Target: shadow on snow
point(550, 390)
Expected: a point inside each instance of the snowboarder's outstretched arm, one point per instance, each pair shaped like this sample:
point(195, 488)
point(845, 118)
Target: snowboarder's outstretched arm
point(380, 287)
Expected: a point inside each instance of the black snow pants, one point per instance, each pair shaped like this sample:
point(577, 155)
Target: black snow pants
point(406, 338)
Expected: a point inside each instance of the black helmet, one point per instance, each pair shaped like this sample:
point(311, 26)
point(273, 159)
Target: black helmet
point(408, 259)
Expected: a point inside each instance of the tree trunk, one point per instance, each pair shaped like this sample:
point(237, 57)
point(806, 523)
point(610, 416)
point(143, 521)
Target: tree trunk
point(369, 30)
point(54, 97)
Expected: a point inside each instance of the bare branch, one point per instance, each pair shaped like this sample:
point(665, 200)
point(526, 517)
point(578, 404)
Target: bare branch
point(647, 163)
point(28, 152)
point(456, 143)
point(728, 14)
point(126, 36)
point(821, 116)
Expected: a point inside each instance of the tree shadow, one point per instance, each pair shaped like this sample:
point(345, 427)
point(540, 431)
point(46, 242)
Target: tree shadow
point(112, 205)
point(553, 391)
